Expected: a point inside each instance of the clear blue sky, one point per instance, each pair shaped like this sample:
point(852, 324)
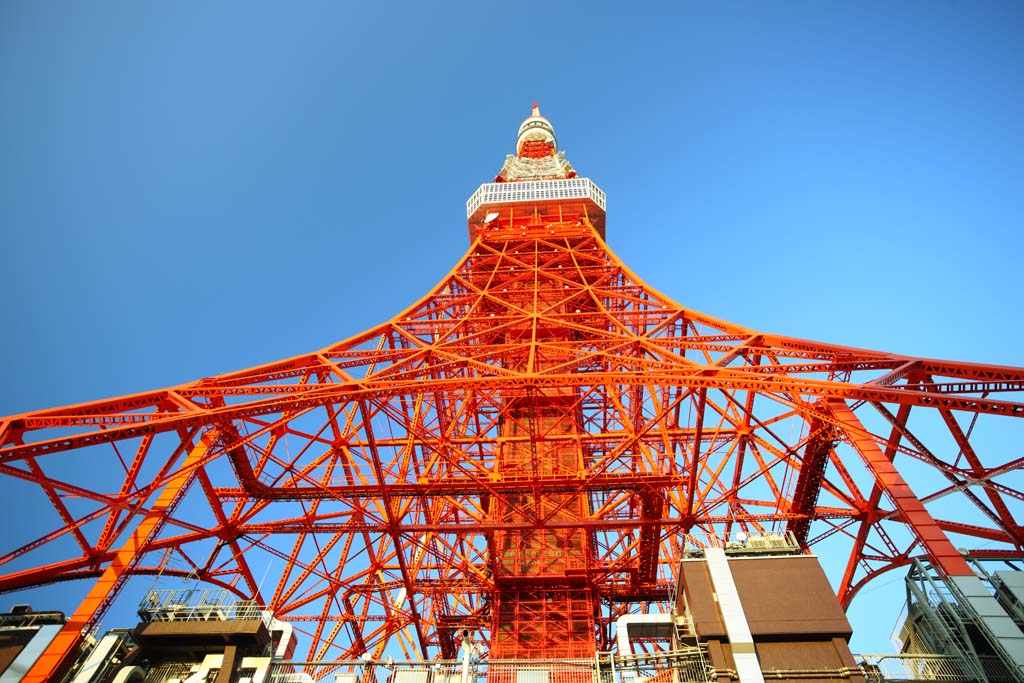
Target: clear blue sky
point(191, 188)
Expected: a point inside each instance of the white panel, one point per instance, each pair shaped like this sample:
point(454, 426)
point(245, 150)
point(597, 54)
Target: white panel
point(28, 656)
point(411, 676)
point(1014, 583)
point(747, 666)
point(96, 658)
point(532, 675)
point(736, 626)
point(1002, 627)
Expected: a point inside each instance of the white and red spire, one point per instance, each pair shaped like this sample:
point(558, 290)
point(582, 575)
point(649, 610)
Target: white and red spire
point(535, 190)
point(537, 156)
point(536, 138)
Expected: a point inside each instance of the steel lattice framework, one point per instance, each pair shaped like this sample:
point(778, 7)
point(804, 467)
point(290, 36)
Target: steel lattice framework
point(542, 427)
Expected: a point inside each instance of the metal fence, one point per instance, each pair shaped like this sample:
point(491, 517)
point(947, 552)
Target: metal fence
point(913, 668)
point(171, 672)
point(678, 667)
point(681, 666)
point(535, 190)
point(533, 671)
point(197, 605)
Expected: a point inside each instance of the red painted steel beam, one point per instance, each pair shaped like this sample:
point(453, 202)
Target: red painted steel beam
point(65, 644)
point(121, 426)
point(808, 484)
point(943, 553)
point(871, 517)
point(977, 472)
point(619, 481)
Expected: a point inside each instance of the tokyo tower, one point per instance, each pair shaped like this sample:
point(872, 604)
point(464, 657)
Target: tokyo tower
point(520, 456)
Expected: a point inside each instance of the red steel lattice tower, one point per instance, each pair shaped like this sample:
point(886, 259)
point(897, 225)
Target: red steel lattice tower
point(519, 454)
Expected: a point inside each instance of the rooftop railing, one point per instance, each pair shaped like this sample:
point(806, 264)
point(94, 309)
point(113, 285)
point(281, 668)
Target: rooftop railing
point(667, 667)
point(913, 668)
point(682, 666)
point(535, 191)
point(741, 543)
point(197, 605)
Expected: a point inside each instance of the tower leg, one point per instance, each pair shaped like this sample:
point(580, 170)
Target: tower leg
point(941, 550)
point(57, 655)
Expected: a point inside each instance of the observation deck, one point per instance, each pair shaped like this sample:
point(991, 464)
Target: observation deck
point(512, 203)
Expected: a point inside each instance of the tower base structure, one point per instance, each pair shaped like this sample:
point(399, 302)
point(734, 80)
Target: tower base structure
point(508, 471)
point(751, 610)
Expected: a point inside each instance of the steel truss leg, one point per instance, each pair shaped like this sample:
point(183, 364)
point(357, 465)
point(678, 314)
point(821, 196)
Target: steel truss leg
point(65, 644)
point(940, 549)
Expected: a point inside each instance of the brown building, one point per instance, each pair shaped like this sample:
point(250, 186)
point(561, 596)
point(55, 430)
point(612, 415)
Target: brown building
point(23, 635)
point(766, 617)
